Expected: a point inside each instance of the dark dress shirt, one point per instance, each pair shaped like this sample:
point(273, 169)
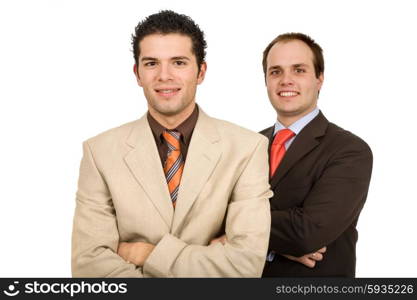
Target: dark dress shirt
point(186, 129)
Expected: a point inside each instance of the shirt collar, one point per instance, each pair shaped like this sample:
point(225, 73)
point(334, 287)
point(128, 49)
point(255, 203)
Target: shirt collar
point(297, 126)
point(186, 128)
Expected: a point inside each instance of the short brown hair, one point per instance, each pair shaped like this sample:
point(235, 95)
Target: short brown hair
point(318, 59)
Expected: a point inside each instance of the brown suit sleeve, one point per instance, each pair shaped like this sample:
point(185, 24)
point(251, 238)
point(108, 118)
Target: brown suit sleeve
point(333, 204)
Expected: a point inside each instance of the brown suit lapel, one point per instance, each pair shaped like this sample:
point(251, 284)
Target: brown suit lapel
point(304, 142)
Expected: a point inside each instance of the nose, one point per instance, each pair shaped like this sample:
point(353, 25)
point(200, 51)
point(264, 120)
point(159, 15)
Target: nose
point(165, 73)
point(286, 79)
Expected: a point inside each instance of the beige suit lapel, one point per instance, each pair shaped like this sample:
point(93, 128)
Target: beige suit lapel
point(203, 154)
point(145, 164)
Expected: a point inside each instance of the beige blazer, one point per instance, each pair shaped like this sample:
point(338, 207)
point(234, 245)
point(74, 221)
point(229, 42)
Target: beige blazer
point(123, 196)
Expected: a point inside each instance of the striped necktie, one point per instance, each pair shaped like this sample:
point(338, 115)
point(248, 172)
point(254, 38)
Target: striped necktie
point(174, 163)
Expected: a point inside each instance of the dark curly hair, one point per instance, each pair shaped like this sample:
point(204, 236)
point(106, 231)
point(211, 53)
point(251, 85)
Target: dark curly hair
point(168, 21)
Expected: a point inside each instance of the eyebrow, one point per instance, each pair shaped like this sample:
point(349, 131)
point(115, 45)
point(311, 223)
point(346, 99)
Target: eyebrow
point(148, 58)
point(274, 68)
point(300, 65)
point(179, 57)
point(293, 66)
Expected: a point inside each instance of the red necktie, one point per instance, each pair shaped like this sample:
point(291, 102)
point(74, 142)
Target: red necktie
point(174, 163)
point(278, 149)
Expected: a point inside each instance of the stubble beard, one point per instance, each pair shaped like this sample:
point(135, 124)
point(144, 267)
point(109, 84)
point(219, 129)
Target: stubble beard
point(169, 109)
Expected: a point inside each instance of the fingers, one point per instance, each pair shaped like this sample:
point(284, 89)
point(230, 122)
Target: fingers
point(290, 257)
point(222, 239)
point(317, 256)
point(322, 250)
point(122, 250)
point(214, 241)
point(121, 247)
point(307, 261)
point(217, 240)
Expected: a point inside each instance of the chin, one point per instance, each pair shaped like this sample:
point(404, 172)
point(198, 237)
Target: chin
point(288, 110)
point(169, 110)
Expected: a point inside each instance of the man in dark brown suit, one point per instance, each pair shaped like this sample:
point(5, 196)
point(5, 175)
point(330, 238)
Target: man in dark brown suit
point(320, 173)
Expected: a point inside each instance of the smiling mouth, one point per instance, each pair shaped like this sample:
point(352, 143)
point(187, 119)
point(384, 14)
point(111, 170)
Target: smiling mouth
point(288, 94)
point(167, 92)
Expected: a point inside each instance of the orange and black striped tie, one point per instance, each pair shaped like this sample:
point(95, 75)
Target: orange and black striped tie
point(174, 164)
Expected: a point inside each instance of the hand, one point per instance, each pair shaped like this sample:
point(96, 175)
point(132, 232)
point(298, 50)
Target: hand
point(309, 260)
point(222, 239)
point(135, 253)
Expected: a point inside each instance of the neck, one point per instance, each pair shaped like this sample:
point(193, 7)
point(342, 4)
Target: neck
point(172, 121)
point(288, 119)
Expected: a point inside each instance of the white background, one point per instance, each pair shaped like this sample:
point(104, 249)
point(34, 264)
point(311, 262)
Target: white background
point(66, 75)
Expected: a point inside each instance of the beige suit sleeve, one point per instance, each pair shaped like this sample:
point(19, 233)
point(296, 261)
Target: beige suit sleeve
point(247, 229)
point(95, 237)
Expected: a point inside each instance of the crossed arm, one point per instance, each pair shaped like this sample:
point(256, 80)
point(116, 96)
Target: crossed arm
point(135, 252)
point(309, 260)
point(98, 251)
point(332, 205)
point(138, 252)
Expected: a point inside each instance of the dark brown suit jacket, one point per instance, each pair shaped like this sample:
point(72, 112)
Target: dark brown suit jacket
point(319, 189)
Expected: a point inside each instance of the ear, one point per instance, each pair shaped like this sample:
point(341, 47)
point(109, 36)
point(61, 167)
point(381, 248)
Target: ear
point(136, 71)
point(320, 81)
point(202, 73)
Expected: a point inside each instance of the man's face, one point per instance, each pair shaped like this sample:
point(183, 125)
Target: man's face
point(168, 73)
point(290, 79)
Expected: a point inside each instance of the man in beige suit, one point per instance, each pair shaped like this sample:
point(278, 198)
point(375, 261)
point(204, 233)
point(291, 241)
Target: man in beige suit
point(155, 195)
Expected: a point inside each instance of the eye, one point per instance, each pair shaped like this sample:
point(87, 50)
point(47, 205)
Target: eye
point(300, 70)
point(275, 72)
point(180, 63)
point(150, 64)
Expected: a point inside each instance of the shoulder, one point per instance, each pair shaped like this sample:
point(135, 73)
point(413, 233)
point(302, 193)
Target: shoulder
point(345, 140)
point(267, 131)
point(237, 134)
point(112, 136)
